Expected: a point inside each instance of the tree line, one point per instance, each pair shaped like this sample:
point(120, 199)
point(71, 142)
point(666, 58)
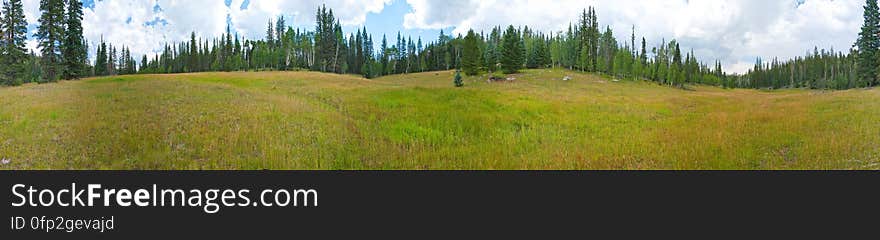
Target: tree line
point(324, 49)
point(825, 69)
point(63, 50)
point(584, 46)
point(821, 69)
point(327, 49)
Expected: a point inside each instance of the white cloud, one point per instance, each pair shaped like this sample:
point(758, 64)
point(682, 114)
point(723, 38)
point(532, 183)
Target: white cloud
point(109, 20)
point(440, 14)
point(31, 15)
point(252, 21)
point(145, 30)
point(31, 44)
point(137, 25)
point(206, 17)
point(735, 31)
point(31, 10)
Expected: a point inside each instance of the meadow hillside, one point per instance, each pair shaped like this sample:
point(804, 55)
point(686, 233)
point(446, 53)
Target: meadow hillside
point(308, 120)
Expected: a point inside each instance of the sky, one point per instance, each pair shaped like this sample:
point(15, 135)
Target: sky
point(735, 32)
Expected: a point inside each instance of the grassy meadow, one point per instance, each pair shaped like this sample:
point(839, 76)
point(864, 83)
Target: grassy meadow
point(308, 120)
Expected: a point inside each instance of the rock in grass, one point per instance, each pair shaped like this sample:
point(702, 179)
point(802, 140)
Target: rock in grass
point(566, 78)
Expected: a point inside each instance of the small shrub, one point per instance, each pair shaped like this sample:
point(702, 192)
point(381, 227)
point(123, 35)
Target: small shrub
point(458, 81)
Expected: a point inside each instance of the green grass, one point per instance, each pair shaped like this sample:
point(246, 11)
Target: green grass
point(307, 120)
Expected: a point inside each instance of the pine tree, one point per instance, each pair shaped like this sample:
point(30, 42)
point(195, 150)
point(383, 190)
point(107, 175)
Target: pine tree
point(280, 27)
point(607, 50)
point(111, 60)
point(538, 54)
point(493, 50)
point(511, 51)
point(193, 53)
point(228, 49)
point(471, 54)
point(3, 68)
point(270, 34)
point(32, 68)
point(545, 57)
point(50, 33)
point(585, 45)
point(281, 45)
point(74, 49)
point(101, 59)
point(339, 47)
point(326, 40)
point(719, 73)
point(143, 64)
point(129, 62)
point(869, 45)
point(458, 82)
point(384, 51)
point(585, 62)
point(677, 71)
point(643, 56)
point(633, 42)
point(14, 35)
point(594, 38)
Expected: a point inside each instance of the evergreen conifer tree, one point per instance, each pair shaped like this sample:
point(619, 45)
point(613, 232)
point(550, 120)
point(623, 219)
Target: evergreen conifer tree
point(13, 55)
point(471, 54)
point(50, 34)
point(511, 51)
point(869, 45)
point(74, 49)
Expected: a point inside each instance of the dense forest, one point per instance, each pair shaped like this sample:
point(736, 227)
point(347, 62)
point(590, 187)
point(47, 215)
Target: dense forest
point(818, 70)
point(583, 46)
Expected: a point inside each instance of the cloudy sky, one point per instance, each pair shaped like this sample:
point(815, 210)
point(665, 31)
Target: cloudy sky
point(733, 31)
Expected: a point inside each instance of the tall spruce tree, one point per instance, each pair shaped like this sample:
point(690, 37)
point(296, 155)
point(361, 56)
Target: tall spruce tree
point(511, 51)
point(869, 45)
point(326, 40)
point(384, 55)
point(50, 33)
point(538, 54)
point(594, 38)
point(3, 78)
point(74, 49)
point(14, 35)
point(470, 55)
point(491, 58)
point(193, 53)
point(676, 73)
point(585, 47)
point(143, 66)
point(643, 56)
point(101, 59)
point(633, 42)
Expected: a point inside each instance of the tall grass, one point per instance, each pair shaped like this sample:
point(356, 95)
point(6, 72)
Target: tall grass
point(305, 120)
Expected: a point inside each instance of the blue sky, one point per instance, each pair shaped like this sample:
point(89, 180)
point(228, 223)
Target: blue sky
point(388, 22)
point(733, 31)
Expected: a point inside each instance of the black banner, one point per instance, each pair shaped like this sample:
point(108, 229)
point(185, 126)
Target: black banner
point(432, 204)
